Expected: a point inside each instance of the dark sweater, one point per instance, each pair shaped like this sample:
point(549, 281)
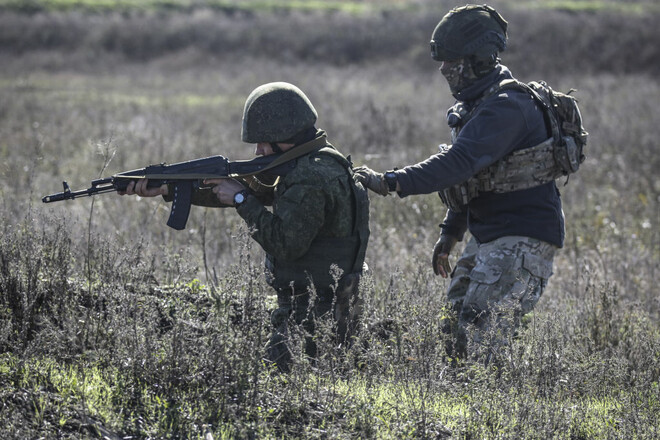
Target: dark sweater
point(504, 122)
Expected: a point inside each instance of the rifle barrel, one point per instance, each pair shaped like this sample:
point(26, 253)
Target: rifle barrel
point(98, 186)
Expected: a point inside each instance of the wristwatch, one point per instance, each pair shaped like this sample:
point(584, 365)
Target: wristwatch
point(390, 179)
point(240, 197)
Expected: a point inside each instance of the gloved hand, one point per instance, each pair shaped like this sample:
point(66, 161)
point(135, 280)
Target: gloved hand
point(372, 180)
point(441, 252)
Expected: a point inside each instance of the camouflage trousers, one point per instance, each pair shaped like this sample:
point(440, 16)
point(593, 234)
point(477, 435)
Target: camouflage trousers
point(492, 286)
point(302, 311)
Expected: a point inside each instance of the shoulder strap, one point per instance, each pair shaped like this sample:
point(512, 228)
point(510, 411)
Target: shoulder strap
point(294, 153)
point(519, 85)
point(360, 207)
point(542, 100)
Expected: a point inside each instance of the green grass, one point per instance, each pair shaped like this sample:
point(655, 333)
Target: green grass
point(186, 5)
point(621, 7)
point(65, 398)
point(78, 90)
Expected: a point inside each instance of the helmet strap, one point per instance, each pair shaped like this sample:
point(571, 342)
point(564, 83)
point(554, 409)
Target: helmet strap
point(276, 148)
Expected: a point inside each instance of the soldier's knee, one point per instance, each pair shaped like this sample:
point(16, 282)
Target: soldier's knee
point(279, 317)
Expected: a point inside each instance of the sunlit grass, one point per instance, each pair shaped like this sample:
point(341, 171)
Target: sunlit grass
point(183, 5)
point(623, 7)
point(79, 89)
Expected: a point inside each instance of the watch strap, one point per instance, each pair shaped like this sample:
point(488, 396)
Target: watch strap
point(390, 179)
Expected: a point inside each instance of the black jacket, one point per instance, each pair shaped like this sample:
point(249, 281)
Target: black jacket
point(504, 122)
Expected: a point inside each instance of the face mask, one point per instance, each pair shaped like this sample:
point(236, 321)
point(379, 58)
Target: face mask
point(459, 74)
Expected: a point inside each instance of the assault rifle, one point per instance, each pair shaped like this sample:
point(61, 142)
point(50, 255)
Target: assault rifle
point(185, 177)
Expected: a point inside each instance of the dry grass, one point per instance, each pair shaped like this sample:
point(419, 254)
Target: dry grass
point(109, 320)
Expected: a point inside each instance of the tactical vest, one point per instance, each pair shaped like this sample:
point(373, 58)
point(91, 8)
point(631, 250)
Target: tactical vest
point(348, 253)
point(557, 156)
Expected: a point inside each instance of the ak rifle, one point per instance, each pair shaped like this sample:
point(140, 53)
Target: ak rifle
point(184, 178)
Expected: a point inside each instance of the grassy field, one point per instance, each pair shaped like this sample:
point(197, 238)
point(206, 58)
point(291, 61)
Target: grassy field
point(114, 326)
point(351, 6)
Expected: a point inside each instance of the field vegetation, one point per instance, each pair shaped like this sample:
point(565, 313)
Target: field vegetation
point(114, 326)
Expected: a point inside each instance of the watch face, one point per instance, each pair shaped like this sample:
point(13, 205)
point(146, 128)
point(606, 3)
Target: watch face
point(239, 198)
point(390, 178)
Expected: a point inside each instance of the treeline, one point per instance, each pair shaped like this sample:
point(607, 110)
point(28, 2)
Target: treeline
point(585, 42)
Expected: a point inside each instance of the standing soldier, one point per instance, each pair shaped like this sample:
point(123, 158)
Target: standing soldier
point(515, 220)
point(316, 234)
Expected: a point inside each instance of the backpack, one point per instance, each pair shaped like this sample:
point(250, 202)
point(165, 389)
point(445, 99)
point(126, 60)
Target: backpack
point(560, 155)
point(564, 120)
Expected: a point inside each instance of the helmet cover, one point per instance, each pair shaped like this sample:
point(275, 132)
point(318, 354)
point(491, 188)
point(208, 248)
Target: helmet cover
point(275, 112)
point(470, 30)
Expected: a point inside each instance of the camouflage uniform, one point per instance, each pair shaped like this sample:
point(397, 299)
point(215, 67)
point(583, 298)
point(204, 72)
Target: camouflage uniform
point(315, 236)
point(315, 239)
point(494, 284)
point(314, 229)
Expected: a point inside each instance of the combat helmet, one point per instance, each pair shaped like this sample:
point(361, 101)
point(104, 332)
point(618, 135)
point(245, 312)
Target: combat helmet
point(276, 112)
point(470, 31)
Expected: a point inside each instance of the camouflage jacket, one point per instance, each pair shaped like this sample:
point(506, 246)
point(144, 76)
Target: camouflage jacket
point(319, 217)
point(314, 222)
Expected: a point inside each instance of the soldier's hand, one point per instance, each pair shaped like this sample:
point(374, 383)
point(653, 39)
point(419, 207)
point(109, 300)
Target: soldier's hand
point(441, 252)
point(225, 189)
point(140, 188)
point(372, 180)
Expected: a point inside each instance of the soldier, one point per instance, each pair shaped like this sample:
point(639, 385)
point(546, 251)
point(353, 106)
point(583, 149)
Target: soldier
point(515, 232)
point(316, 234)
